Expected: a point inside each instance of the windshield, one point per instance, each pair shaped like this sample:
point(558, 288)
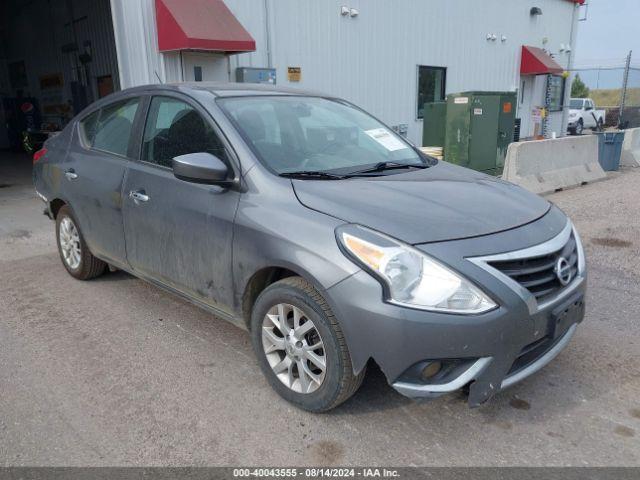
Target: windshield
point(576, 103)
point(310, 134)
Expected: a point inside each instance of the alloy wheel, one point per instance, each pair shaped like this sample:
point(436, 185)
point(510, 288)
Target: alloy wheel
point(70, 243)
point(294, 348)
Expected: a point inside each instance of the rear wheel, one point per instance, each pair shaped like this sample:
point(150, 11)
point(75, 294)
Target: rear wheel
point(73, 250)
point(600, 125)
point(301, 348)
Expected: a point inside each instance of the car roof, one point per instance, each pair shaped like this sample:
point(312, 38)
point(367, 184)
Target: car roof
point(217, 89)
point(220, 89)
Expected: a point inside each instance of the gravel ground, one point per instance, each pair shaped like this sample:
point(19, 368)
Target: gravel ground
point(117, 372)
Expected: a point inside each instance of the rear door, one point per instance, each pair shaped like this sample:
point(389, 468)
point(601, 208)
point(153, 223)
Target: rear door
point(180, 233)
point(93, 172)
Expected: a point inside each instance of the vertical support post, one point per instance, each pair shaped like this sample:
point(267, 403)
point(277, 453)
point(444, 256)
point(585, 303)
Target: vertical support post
point(547, 106)
point(575, 18)
point(625, 84)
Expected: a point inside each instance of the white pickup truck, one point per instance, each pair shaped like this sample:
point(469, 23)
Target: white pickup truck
point(582, 114)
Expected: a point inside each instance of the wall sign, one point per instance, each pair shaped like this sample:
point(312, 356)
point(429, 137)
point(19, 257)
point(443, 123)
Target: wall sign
point(294, 74)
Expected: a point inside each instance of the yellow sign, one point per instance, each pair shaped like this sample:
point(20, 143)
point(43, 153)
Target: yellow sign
point(294, 74)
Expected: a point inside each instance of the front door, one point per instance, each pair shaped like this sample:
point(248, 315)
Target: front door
point(177, 232)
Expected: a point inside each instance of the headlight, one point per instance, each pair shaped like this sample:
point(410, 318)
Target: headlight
point(411, 278)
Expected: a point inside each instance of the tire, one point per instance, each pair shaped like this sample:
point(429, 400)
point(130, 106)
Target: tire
point(600, 125)
point(73, 250)
point(579, 127)
point(337, 381)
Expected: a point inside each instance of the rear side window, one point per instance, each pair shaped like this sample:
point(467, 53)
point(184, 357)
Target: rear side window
point(88, 128)
point(175, 128)
point(109, 129)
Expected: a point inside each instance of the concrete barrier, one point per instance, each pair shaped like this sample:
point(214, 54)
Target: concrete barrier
point(631, 148)
point(544, 166)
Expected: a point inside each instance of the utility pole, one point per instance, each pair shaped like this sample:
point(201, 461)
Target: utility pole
point(623, 96)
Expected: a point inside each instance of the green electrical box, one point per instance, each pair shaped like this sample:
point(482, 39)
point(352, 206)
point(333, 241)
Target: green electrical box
point(479, 128)
point(433, 124)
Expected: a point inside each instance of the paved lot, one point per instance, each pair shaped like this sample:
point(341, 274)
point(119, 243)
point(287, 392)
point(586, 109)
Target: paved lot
point(117, 372)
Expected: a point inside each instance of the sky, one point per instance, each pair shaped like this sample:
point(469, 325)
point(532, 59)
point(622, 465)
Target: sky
point(611, 29)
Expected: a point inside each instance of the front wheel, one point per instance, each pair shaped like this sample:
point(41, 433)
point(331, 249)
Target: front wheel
point(301, 348)
point(74, 253)
point(580, 127)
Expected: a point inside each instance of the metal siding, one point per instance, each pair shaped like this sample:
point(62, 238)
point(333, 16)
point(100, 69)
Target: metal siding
point(372, 59)
point(139, 60)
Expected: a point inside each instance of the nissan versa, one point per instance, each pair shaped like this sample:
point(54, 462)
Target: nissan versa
point(331, 239)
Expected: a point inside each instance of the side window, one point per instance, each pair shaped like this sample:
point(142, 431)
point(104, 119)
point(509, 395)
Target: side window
point(175, 128)
point(88, 127)
point(113, 130)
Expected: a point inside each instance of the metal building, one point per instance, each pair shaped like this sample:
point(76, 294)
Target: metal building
point(390, 57)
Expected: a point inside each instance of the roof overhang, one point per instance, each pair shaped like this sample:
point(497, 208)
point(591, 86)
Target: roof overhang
point(535, 61)
point(200, 25)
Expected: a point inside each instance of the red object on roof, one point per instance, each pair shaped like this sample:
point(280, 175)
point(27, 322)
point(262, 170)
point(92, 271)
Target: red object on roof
point(581, 2)
point(536, 61)
point(200, 25)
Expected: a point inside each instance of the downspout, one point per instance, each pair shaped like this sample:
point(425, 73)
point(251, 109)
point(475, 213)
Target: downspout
point(267, 34)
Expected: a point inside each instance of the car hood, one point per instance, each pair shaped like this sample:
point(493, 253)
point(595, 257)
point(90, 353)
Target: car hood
point(443, 202)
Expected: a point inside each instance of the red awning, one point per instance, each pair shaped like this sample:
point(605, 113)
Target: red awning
point(200, 25)
point(536, 61)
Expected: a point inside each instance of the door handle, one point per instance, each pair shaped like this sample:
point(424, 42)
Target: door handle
point(71, 174)
point(138, 196)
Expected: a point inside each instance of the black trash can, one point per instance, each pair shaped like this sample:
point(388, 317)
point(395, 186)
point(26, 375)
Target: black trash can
point(610, 149)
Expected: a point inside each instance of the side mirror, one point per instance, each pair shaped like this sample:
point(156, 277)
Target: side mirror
point(200, 167)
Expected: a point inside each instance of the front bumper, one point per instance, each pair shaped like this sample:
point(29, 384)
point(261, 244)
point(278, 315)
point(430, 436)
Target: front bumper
point(493, 350)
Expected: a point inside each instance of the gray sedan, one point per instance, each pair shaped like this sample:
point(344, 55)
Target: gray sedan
point(332, 240)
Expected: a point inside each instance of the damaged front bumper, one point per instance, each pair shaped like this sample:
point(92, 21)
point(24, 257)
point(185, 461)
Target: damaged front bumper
point(477, 368)
point(486, 353)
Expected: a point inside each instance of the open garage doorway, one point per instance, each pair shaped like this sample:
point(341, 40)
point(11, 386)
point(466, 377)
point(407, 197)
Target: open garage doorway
point(56, 57)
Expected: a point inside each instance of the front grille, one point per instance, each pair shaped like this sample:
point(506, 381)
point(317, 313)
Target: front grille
point(538, 274)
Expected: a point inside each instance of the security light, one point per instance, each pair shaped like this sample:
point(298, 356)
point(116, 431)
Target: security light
point(535, 11)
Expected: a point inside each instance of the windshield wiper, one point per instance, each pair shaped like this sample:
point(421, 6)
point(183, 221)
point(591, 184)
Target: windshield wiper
point(312, 174)
point(383, 166)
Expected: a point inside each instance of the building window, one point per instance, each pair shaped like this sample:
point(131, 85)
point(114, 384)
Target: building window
point(431, 86)
point(556, 92)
